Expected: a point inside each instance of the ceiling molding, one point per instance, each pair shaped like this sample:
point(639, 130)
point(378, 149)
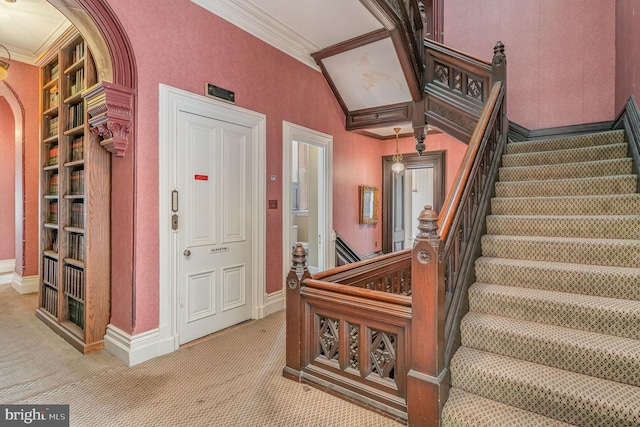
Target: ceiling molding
point(244, 15)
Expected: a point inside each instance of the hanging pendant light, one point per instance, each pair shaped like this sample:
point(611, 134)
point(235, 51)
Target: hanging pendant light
point(4, 64)
point(397, 165)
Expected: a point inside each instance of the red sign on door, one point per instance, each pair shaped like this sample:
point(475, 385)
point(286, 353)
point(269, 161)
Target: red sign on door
point(202, 177)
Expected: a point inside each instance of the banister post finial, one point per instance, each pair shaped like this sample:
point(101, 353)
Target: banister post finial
point(298, 273)
point(428, 226)
point(499, 63)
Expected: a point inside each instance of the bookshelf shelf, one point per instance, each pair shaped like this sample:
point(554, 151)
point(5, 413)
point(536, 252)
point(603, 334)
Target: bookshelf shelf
point(50, 254)
point(75, 236)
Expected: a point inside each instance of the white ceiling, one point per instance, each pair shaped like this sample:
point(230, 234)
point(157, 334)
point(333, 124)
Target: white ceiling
point(28, 27)
point(296, 27)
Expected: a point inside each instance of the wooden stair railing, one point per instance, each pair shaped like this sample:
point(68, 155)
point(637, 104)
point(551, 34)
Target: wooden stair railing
point(443, 257)
point(345, 254)
point(382, 331)
point(629, 120)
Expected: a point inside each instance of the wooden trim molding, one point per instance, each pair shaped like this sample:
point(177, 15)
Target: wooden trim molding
point(520, 133)
point(111, 109)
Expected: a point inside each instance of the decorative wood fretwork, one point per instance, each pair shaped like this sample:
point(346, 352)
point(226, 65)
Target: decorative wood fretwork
point(329, 338)
point(383, 354)
point(111, 109)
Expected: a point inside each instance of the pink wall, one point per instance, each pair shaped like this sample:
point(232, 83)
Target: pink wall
point(627, 52)
point(209, 49)
point(560, 55)
point(7, 182)
point(22, 85)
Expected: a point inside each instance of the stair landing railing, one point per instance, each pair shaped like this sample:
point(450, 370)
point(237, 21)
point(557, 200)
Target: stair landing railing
point(382, 331)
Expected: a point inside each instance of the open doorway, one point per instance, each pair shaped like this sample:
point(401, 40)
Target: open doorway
point(405, 194)
point(307, 196)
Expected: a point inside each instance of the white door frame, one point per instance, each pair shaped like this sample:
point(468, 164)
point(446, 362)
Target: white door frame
point(172, 101)
point(292, 132)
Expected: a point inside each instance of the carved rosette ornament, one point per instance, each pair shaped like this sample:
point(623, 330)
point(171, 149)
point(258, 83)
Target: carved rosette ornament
point(110, 107)
point(424, 256)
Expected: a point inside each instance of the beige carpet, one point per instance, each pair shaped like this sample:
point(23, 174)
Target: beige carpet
point(232, 378)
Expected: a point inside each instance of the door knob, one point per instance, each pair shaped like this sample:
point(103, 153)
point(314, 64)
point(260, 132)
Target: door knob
point(187, 252)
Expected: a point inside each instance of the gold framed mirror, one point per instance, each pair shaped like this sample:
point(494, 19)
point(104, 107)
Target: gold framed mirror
point(369, 202)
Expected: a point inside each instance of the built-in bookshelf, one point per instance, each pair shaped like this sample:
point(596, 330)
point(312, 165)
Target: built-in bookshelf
point(75, 202)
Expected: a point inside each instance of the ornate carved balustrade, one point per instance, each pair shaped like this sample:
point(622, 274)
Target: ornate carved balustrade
point(383, 331)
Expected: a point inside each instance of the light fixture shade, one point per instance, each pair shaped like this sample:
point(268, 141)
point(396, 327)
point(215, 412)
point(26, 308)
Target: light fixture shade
point(4, 66)
point(397, 167)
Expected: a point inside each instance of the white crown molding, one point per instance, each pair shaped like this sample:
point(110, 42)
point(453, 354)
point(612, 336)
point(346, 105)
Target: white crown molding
point(31, 58)
point(246, 16)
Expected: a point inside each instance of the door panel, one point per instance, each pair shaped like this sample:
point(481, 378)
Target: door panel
point(215, 231)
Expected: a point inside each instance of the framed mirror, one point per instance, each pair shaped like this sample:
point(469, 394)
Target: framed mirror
point(369, 201)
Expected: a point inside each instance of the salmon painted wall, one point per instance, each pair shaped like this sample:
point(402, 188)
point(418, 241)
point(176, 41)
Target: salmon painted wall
point(23, 83)
point(560, 55)
point(182, 45)
point(627, 51)
point(7, 182)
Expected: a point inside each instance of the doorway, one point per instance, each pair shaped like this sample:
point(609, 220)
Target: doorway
point(405, 194)
point(212, 269)
point(307, 198)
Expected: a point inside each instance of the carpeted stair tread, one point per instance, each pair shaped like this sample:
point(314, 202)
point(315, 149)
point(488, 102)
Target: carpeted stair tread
point(618, 184)
point(585, 279)
point(613, 204)
point(586, 226)
point(586, 154)
point(566, 396)
point(617, 317)
point(584, 352)
point(587, 140)
point(464, 409)
point(610, 252)
point(622, 166)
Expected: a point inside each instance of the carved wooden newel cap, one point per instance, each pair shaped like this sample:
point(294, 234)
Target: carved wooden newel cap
point(428, 222)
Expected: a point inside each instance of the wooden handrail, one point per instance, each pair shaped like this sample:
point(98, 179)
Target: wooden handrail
point(452, 202)
point(369, 294)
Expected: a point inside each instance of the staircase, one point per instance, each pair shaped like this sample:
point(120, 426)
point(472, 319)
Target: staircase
point(552, 336)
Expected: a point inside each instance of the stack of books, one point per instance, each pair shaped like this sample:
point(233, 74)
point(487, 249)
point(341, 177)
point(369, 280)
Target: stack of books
point(78, 52)
point(74, 282)
point(53, 96)
point(53, 126)
point(77, 149)
point(53, 184)
point(77, 181)
point(53, 212)
point(77, 82)
point(50, 300)
point(76, 115)
point(77, 214)
point(50, 272)
point(76, 311)
point(76, 246)
point(53, 72)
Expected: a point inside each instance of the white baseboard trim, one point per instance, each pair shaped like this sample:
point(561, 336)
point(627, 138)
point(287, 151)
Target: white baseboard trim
point(135, 349)
point(273, 302)
point(7, 266)
point(24, 285)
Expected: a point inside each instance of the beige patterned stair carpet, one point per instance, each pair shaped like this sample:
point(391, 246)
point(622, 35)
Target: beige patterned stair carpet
point(232, 378)
point(552, 336)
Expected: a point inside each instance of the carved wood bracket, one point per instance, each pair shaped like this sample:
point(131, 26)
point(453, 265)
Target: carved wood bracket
point(110, 107)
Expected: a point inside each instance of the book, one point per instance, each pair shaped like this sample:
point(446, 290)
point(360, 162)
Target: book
point(53, 212)
point(53, 155)
point(53, 184)
point(77, 149)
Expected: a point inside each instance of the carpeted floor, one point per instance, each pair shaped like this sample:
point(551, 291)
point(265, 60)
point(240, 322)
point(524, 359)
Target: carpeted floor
point(232, 378)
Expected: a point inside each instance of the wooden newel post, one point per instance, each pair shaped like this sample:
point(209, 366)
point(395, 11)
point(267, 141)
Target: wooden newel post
point(426, 387)
point(297, 274)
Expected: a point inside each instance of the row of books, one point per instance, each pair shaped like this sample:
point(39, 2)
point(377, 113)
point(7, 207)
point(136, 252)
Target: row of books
point(53, 126)
point(77, 181)
point(50, 300)
point(54, 241)
point(53, 212)
point(53, 155)
point(53, 96)
point(50, 272)
point(78, 52)
point(74, 282)
point(76, 115)
point(77, 82)
point(54, 72)
point(77, 214)
point(77, 149)
point(76, 311)
point(76, 246)
point(53, 184)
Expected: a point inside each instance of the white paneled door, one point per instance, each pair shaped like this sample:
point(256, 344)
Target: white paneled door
point(214, 207)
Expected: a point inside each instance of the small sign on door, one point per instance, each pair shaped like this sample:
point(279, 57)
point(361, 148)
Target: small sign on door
point(202, 177)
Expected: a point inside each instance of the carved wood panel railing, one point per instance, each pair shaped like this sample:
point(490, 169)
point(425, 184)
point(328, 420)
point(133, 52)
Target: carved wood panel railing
point(348, 338)
point(457, 86)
